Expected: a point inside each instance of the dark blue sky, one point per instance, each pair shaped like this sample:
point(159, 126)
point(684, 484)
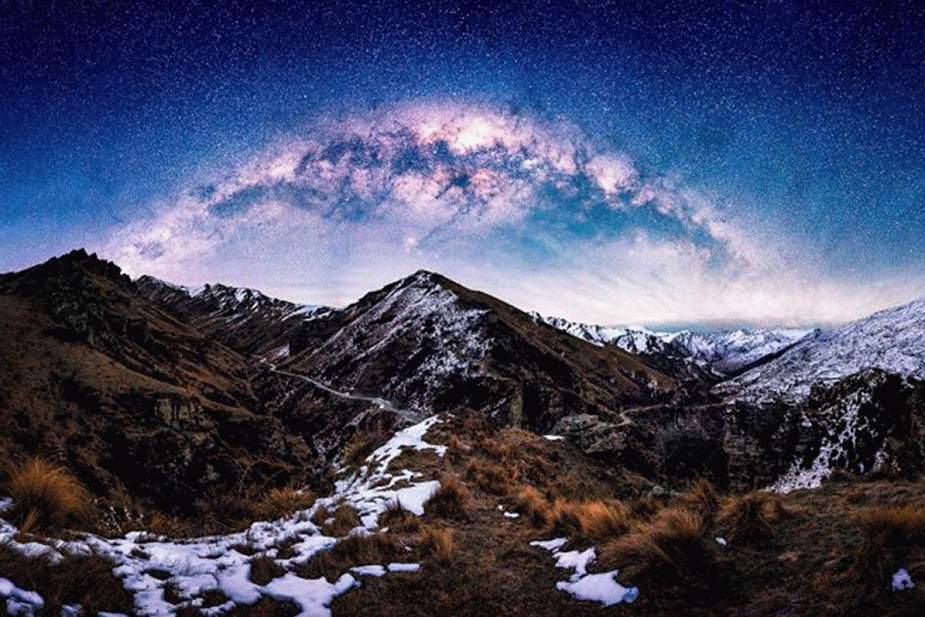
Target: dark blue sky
point(804, 121)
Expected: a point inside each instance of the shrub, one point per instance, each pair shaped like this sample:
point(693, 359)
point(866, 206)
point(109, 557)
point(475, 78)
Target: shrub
point(440, 543)
point(264, 569)
point(750, 517)
point(46, 497)
point(449, 500)
point(591, 519)
point(398, 519)
point(671, 546)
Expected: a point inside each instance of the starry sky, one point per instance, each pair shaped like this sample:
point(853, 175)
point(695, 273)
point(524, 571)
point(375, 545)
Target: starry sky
point(661, 163)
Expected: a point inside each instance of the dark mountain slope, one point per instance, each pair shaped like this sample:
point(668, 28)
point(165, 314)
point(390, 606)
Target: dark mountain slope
point(243, 319)
point(143, 408)
point(426, 342)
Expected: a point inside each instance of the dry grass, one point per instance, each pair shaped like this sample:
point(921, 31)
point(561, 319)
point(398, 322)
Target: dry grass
point(439, 542)
point(398, 519)
point(534, 505)
point(46, 498)
point(279, 502)
point(670, 547)
point(87, 580)
point(888, 534)
point(351, 551)
point(702, 498)
point(337, 523)
point(489, 477)
point(266, 607)
point(264, 569)
point(751, 517)
point(450, 500)
point(590, 519)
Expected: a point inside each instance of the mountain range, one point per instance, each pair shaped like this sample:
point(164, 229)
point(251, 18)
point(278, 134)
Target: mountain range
point(180, 404)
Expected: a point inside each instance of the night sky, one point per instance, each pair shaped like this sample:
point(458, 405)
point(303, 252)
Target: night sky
point(682, 163)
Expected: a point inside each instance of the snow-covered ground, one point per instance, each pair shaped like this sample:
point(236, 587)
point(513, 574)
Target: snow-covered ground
point(198, 565)
point(600, 587)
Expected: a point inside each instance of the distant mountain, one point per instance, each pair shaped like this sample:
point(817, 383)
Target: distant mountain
point(725, 352)
point(244, 319)
point(892, 340)
point(427, 342)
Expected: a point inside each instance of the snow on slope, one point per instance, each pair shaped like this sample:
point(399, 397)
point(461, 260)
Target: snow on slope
point(726, 351)
point(892, 340)
point(197, 565)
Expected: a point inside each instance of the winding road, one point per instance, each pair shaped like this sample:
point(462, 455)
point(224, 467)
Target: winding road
point(409, 414)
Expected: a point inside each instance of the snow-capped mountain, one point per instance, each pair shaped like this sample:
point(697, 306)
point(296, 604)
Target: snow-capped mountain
point(892, 340)
point(426, 341)
point(245, 319)
point(724, 351)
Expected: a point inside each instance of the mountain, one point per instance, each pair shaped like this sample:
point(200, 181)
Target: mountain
point(144, 408)
point(428, 343)
point(892, 340)
point(722, 353)
point(244, 319)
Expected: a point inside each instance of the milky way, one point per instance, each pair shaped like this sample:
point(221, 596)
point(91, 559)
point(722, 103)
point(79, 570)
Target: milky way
point(623, 163)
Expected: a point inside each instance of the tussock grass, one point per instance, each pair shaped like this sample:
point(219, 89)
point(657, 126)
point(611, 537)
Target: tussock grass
point(889, 533)
point(337, 523)
point(591, 519)
point(398, 519)
point(352, 551)
point(671, 547)
point(280, 502)
point(440, 543)
point(489, 477)
point(533, 504)
point(264, 569)
point(46, 498)
point(701, 498)
point(87, 580)
point(450, 500)
point(751, 517)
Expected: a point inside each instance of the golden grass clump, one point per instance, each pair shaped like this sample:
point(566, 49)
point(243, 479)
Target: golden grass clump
point(279, 502)
point(591, 519)
point(671, 546)
point(489, 477)
point(46, 497)
point(702, 498)
point(450, 500)
point(534, 505)
point(751, 517)
point(439, 542)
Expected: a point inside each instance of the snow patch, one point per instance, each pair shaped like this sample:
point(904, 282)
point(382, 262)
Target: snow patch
point(601, 587)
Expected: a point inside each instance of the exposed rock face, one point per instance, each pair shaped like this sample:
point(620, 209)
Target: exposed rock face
point(426, 342)
point(859, 424)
